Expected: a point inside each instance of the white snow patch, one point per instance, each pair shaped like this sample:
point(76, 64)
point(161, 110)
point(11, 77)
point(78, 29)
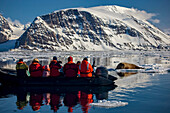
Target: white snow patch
point(17, 28)
point(109, 104)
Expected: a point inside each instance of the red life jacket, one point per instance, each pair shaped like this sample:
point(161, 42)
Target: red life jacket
point(70, 69)
point(85, 69)
point(35, 70)
point(54, 68)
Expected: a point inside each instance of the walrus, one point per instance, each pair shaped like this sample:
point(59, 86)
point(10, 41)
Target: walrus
point(124, 65)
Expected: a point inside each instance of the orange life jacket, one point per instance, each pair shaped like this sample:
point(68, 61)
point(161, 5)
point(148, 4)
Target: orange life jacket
point(85, 69)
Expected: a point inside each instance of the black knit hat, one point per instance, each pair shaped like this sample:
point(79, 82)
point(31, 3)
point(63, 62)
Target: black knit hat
point(85, 59)
point(54, 58)
point(20, 60)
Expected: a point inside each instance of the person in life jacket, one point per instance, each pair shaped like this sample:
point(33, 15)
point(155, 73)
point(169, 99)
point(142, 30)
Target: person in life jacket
point(46, 98)
point(21, 68)
point(36, 69)
point(46, 71)
point(70, 69)
point(85, 68)
point(54, 67)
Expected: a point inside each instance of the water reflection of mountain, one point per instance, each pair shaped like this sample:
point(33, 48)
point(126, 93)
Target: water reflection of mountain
point(55, 97)
point(128, 84)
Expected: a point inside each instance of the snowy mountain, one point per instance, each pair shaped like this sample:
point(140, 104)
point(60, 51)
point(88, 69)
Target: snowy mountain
point(96, 28)
point(9, 32)
point(5, 30)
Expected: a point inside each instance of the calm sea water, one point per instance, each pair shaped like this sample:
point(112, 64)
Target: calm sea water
point(144, 92)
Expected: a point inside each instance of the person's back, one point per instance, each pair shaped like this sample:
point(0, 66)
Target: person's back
point(70, 69)
point(54, 68)
point(35, 69)
point(46, 71)
point(21, 68)
point(85, 68)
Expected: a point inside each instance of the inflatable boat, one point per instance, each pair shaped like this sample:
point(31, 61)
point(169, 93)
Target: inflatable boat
point(9, 77)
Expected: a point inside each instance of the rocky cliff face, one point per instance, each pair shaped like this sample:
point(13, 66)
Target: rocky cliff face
point(5, 30)
point(92, 29)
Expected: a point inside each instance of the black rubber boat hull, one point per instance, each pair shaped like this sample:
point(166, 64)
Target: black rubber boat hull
point(7, 79)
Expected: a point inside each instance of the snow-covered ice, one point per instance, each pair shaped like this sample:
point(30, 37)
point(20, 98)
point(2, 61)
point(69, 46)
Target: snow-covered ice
point(155, 62)
point(109, 104)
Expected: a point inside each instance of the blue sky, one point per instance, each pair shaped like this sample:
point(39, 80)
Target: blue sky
point(26, 10)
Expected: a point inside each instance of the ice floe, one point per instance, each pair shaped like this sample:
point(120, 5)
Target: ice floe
point(109, 104)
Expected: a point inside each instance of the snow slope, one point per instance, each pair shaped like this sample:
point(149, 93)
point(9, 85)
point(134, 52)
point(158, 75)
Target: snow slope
point(13, 32)
point(93, 29)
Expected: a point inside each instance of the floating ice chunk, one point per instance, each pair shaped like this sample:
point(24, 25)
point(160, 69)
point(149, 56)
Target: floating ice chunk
point(109, 104)
point(154, 68)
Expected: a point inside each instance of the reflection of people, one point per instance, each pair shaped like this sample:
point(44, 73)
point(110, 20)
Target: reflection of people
point(85, 100)
point(36, 101)
point(85, 68)
point(21, 68)
point(21, 100)
point(47, 98)
point(55, 102)
point(70, 69)
point(54, 67)
point(70, 100)
point(35, 68)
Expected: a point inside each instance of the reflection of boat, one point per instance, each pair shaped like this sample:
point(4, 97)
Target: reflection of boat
point(5, 90)
point(8, 79)
point(70, 95)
